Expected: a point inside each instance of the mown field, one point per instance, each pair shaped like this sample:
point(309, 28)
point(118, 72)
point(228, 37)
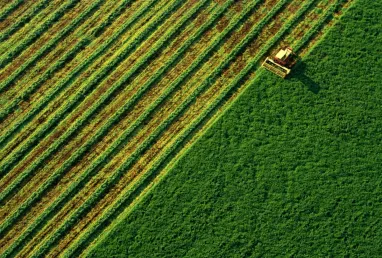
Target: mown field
point(97, 97)
point(291, 169)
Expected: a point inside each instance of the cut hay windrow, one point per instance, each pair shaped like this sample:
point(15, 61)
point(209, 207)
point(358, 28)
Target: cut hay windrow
point(10, 8)
point(24, 20)
point(36, 180)
point(82, 93)
point(62, 61)
point(190, 12)
point(317, 24)
point(236, 82)
point(125, 51)
point(111, 90)
point(114, 95)
point(48, 46)
point(7, 57)
point(120, 171)
point(69, 80)
point(188, 43)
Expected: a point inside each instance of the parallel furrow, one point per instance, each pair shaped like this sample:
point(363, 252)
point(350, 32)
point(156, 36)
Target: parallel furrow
point(14, 25)
point(202, 101)
point(99, 127)
point(60, 87)
point(49, 60)
point(15, 51)
point(81, 93)
point(30, 57)
point(103, 189)
point(172, 8)
point(10, 8)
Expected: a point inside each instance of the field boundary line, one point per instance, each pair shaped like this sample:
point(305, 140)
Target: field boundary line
point(170, 166)
point(180, 109)
point(221, 98)
point(193, 10)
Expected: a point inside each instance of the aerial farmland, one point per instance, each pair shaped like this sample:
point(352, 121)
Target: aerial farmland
point(190, 128)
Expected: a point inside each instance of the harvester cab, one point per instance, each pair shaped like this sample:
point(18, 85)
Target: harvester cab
point(282, 63)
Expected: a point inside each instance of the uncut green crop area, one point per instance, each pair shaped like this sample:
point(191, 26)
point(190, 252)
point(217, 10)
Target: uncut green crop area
point(100, 100)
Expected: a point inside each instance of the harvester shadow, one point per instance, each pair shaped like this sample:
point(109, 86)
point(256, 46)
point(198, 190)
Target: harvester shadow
point(299, 72)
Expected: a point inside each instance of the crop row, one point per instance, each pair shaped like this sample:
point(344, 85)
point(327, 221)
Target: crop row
point(42, 52)
point(301, 28)
point(111, 90)
point(44, 89)
point(169, 23)
point(80, 245)
point(236, 82)
point(13, 188)
point(61, 41)
point(114, 106)
point(142, 63)
point(25, 19)
point(126, 93)
point(82, 92)
point(115, 177)
point(154, 106)
point(28, 28)
point(59, 62)
point(61, 187)
point(83, 61)
point(8, 57)
point(88, 102)
point(39, 49)
point(9, 9)
point(172, 7)
point(81, 197)
point(314, 30)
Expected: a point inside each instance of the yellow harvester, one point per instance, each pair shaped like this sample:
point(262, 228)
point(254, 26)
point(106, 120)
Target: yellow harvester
point(282, 63)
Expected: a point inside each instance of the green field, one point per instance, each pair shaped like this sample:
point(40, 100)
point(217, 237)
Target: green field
point(101, 100)
point(291, 169)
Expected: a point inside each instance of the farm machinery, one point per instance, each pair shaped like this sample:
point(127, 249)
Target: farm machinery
point(281, 63)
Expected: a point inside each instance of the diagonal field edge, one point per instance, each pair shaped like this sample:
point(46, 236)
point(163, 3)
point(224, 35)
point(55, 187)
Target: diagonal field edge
point(110, 182)
point(205, 2)
point(90, 234)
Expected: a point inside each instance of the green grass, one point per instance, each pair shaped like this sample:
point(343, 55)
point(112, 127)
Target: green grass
point(292, 168)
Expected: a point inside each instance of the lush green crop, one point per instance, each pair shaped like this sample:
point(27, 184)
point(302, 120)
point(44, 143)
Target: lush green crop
point(148, 175)
point(291, 168)
point(101, 110)
point(109, 124)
